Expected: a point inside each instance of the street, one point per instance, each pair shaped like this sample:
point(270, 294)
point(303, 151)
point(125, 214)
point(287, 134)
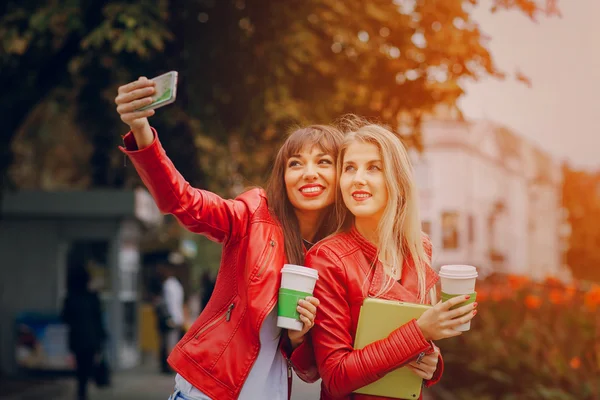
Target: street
point(141, 383)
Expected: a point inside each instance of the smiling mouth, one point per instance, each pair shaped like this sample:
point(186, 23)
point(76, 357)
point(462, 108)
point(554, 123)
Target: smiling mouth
point(361, 196)
point(312, 191)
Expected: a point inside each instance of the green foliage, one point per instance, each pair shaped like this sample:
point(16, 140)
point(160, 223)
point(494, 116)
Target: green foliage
point(249, 69)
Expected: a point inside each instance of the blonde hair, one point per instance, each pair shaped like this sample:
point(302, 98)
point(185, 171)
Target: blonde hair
point(399, 229)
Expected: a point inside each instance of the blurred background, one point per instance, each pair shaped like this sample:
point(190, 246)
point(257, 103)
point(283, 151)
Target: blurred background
point(496, 100)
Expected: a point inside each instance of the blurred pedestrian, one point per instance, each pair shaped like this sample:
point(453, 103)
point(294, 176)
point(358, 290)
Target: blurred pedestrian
point(83, 315)
point(164, 323)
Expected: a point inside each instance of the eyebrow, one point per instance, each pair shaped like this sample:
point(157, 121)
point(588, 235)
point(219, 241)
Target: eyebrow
point(368, 162)
point(318, 155)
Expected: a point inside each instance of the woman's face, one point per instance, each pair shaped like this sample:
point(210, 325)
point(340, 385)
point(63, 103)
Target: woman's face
point(362, 182)
point(310, 179)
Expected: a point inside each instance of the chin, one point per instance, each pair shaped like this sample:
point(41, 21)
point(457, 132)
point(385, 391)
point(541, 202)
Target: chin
point(315, 206)
point(361, 213)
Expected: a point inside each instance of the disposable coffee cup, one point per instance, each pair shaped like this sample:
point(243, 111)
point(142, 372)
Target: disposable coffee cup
point(297, 282)
point(459, 280)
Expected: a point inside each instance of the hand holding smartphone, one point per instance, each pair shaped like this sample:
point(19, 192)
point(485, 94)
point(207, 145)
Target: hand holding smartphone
point(165, 91)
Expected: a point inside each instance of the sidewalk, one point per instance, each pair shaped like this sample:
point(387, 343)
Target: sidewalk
point(141, 383)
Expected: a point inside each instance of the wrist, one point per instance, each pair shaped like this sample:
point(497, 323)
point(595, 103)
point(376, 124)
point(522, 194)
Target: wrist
point(295, 343)
point(424, 331)
point(143, 135)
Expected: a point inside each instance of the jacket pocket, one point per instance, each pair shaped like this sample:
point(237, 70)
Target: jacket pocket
point(224, 317)
point(266, 259)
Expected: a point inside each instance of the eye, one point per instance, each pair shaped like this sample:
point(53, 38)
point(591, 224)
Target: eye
point(349, 168)
point(325, 161)
point(374, 168)
point(293, 163)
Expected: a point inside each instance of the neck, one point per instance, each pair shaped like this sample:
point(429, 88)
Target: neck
point(308, 222)
point(368, 228)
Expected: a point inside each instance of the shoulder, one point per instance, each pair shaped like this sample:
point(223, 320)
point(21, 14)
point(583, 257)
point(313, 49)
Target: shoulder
point(337, 246)
point(256, 201)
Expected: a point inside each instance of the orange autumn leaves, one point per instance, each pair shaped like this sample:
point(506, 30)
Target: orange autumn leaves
point(551, 291)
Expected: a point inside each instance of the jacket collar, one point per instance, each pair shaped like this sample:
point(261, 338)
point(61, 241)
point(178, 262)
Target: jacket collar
point(407, 289)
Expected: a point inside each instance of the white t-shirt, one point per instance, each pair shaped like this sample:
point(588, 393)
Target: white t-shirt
point(268, 376)
point(173, 292)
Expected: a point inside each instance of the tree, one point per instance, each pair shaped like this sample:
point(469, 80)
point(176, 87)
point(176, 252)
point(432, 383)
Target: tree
point(249, 69)
point(581, 199)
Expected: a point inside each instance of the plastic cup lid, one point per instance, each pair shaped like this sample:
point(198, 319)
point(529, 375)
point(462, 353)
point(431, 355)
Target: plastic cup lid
point(300, 270)
point(458, 271)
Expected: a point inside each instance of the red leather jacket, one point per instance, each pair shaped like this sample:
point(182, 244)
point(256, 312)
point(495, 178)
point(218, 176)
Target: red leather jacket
point(218, 351)
point(345, 280)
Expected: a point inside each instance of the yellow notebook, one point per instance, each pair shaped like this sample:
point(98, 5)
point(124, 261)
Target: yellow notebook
point(378, 318)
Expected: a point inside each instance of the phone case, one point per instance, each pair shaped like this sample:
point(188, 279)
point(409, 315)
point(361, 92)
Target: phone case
point(166, 91)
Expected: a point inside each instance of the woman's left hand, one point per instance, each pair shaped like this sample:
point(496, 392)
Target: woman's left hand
point(427, 366)
point(308, 311)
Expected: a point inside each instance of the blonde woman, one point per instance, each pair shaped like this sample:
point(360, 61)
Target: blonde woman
point(379, 251)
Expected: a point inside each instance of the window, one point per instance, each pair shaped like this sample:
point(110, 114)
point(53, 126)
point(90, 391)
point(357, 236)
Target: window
point(426, 227)
point(450, 235)
point(471, 229)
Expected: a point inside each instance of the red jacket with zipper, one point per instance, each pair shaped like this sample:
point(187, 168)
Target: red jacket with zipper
point(220, 348)
point(346, 278)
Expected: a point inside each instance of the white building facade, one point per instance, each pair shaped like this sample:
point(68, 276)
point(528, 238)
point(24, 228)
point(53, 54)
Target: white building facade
point(490, 199)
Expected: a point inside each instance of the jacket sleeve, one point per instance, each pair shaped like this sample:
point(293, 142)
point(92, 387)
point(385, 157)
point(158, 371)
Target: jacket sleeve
point(342, 368)
point(302, 359)
point(199, 211)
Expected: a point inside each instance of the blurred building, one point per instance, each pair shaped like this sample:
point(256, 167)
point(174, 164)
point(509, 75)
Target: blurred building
point(489, 198)
point(41, 233)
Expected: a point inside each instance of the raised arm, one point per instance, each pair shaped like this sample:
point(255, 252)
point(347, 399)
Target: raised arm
point(199, 211)
point(342, 368)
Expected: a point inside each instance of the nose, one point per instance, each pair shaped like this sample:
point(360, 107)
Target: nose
point(310, 172)
point(359, 178)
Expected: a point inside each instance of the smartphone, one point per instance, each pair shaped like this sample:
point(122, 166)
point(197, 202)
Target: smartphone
point(166, 91)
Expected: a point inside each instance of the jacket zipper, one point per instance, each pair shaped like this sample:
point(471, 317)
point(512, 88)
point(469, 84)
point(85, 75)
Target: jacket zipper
point(289, 367)
point(226, 316)
point(267, 258)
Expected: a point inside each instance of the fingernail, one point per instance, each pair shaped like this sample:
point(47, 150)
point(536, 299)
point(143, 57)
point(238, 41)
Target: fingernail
point(301, 301)
point(475, 304)
point(467, 297)
point(298, 308)
point(475, 312)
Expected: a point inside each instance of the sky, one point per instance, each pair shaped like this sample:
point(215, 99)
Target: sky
point(560, 113)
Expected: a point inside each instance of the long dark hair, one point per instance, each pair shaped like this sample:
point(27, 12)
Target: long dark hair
point(328, 139)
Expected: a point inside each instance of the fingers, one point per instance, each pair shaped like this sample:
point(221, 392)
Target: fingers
point(142, 82)
point(130, 117)
point(461, 311)
point(310, 303)
point(125, 98)
point(419, 372)
point(454, 301)
point(427, 363)
point(308, 323)
point(134, 105)
point(459, 321)
point(450, 332)
point(306, 312)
